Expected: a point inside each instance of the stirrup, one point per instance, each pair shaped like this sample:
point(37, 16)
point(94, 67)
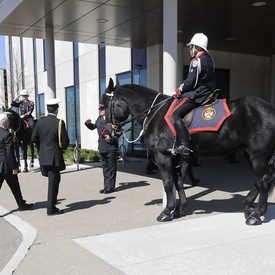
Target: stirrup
point(181, 150)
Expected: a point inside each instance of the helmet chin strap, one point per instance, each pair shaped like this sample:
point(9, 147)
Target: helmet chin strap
point(192, 51)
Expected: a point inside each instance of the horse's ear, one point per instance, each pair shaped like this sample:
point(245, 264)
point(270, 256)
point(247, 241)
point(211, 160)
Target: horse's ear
point(111, 85)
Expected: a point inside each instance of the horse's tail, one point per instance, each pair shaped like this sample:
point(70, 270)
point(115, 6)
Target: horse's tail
point(270, 175)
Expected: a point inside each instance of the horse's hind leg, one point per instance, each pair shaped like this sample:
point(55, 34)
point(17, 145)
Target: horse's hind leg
point(252, 216)
point(32, 154)
point(264, 179)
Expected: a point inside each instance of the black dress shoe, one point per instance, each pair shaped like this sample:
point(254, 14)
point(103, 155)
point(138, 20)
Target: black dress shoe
point(55, 212)
point(102, 191)
point(26, 206)
point(111, 190)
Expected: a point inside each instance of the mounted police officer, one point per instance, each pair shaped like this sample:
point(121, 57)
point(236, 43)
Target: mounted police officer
point(25, 107)
point(193, 91)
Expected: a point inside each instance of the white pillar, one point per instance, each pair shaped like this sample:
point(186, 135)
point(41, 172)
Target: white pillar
point(170, 49)
point(170, 33)
point(51, 91)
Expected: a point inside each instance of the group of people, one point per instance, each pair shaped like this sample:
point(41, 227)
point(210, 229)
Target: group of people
point(51, 135)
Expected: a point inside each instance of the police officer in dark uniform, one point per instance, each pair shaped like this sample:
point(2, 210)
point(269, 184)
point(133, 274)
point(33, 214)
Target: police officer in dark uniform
point(51, 136)
point(25, 107)
point(193, 91)
point(107, 147)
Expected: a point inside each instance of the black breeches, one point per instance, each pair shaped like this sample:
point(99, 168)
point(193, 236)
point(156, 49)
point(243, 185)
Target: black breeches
point(183, 108)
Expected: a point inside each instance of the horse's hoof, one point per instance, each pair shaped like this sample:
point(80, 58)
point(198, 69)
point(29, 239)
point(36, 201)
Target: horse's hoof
point(164, 218)
point(31, 165)
point(195, 182)
point(25, 170)
point(178, 214)
point(253, 221)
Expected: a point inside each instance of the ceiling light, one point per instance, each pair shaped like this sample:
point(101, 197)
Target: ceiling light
point(102, 20)
point(258, 4)
point(230, 38)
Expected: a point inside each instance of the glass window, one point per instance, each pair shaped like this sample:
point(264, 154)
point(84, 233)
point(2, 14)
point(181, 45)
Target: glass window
point(45, 54)
point(73, 114)
point(102, 69)
point(124, 78)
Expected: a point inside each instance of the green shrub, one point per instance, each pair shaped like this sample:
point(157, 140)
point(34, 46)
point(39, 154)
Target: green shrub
point(69, 155)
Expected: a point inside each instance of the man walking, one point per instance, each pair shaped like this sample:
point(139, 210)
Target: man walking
point(8, 164)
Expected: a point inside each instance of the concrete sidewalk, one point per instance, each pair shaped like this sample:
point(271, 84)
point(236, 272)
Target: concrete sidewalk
point(118, 233)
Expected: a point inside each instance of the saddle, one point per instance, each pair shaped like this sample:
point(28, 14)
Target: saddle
point(209, 101)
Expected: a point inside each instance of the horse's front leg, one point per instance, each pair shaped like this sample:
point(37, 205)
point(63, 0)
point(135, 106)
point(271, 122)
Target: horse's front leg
point(167, 213)
point(166, 171)
point(32, 154)
point(17, 156)
point(180, 208)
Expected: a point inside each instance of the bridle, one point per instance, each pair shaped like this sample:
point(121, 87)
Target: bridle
point(117, 126)
point(19, 123)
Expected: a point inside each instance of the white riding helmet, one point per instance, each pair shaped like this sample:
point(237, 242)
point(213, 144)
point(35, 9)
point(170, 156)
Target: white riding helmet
point(24, 92)
point(199, 39)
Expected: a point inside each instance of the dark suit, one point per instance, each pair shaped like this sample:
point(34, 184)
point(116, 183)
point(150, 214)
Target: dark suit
point(7, 164)
point(51, 159)
point(107, 152)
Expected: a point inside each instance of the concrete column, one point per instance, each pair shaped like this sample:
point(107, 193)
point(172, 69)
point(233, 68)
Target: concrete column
point(272, 80)
point(170, 50)
point(51, 91)
point(170, 31)
point(154, 67)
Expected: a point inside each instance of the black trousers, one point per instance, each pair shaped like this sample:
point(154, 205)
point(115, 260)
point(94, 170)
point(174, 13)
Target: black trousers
point(109, 167)
point(13, 183)
point(54, 177)
point(184, 106)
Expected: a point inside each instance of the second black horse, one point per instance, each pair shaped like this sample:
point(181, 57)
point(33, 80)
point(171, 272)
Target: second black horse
point(22, 138)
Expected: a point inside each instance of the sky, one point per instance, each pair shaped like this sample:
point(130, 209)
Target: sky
point(2, 52)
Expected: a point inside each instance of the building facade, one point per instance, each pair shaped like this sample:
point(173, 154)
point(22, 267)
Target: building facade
point(83, 70)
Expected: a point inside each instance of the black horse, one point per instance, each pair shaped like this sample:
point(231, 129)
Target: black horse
point(251, 127)
point(22, 138)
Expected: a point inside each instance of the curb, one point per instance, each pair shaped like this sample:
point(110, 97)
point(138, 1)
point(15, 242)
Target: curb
point(29, 235)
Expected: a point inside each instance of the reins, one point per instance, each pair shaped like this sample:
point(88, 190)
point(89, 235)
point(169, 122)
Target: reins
point(135, 117)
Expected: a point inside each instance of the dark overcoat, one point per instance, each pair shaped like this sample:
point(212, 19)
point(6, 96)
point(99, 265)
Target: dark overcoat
point(45, 134)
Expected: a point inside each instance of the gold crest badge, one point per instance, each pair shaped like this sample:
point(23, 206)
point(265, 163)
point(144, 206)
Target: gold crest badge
point(208, 113)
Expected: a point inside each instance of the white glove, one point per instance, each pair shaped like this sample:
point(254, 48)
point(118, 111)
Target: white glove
point(181, 87)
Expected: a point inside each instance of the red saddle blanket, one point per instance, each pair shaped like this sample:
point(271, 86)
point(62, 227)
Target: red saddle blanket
point(205, 118)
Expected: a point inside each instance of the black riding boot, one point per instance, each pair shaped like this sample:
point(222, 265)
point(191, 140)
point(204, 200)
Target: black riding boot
point(182, 139)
